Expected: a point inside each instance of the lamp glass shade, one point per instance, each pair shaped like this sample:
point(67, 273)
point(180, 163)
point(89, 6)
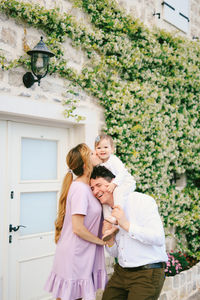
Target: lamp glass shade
point(40, 64)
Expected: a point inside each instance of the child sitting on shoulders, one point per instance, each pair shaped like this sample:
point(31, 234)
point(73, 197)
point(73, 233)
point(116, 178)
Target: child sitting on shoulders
point(121, 185)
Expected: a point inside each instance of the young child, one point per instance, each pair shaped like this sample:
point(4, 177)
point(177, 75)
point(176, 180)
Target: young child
point(122, 184)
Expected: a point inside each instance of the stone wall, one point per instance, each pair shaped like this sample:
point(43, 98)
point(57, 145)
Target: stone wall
point(183, 286)
point(195, 20)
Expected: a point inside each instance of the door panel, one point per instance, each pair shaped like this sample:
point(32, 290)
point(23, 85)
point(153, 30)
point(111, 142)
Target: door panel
point(36, 169)
point(37, 212)
point(38, 159)
point(38, 277)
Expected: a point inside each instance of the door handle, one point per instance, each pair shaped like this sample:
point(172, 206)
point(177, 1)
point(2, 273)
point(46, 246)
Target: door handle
point(11, 228)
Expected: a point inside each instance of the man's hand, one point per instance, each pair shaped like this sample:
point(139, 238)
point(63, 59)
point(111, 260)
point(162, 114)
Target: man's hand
point(111, 187)
point(119, 214)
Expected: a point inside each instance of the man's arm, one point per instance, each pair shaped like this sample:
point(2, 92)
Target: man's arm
point(151, 232)
point(119, 214)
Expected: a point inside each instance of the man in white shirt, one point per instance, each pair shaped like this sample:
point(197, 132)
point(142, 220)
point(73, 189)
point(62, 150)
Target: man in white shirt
point(139, 246)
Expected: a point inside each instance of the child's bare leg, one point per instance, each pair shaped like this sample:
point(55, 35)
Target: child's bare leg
point(107, 214)
point(111, 220)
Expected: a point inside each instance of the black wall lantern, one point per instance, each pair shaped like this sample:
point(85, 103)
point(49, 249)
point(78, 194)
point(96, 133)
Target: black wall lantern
point(40, 56)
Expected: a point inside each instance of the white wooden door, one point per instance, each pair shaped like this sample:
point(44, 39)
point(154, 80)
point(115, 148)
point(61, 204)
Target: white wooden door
point(36, 169)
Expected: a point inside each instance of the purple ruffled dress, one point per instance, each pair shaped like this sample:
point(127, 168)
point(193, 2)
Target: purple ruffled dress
point(79, 266)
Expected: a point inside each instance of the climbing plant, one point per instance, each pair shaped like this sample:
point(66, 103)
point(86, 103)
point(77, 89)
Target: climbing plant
point(148, 82)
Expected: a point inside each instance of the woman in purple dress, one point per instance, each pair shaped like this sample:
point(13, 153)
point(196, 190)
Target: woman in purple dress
point(79, 264)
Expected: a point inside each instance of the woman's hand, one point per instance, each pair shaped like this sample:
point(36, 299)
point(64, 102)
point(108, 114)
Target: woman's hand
point(107, 226)
point(102, 243)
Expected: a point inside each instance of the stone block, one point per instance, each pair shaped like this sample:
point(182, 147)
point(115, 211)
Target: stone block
point(194, 285)
point(7, 52)
point(182, 292)
point(189, 288)
point(41, 97)
point(4, 89)
point(57, 100)
point(172, 295)
point(25, 94)
point(15, 78)
point(198, 282)
point(51, 87)
point(9, 36)
point(189, 275)
point(193, 274)
point(163, 297)
point(83, 96)
point(198, 268)
point(1, 74)
point(168, 284)
point(99, 294)
point(3, 17)
point(176, 281)
point(73, 54)
point(195, 271)
point(182, 278)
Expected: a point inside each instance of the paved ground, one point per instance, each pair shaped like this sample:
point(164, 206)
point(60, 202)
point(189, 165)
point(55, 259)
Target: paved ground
point(195, 296)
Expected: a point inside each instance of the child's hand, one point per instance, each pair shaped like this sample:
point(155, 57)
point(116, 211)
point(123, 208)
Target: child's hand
point(111, 187)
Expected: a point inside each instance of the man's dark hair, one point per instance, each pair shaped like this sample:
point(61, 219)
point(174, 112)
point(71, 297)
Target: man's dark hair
point(103, 172)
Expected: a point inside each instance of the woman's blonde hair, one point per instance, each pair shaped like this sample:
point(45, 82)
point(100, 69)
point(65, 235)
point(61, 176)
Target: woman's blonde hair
point(78, 161)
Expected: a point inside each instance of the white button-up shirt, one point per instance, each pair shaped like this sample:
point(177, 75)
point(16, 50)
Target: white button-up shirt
point(145, 241)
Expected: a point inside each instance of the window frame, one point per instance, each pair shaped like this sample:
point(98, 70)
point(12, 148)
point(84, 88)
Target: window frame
point(177, 13)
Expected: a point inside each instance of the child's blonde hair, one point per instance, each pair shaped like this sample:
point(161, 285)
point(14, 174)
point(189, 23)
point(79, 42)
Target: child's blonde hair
point(104, 136)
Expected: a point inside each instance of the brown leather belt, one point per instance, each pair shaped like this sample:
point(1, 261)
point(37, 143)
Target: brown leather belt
point(146, 267)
